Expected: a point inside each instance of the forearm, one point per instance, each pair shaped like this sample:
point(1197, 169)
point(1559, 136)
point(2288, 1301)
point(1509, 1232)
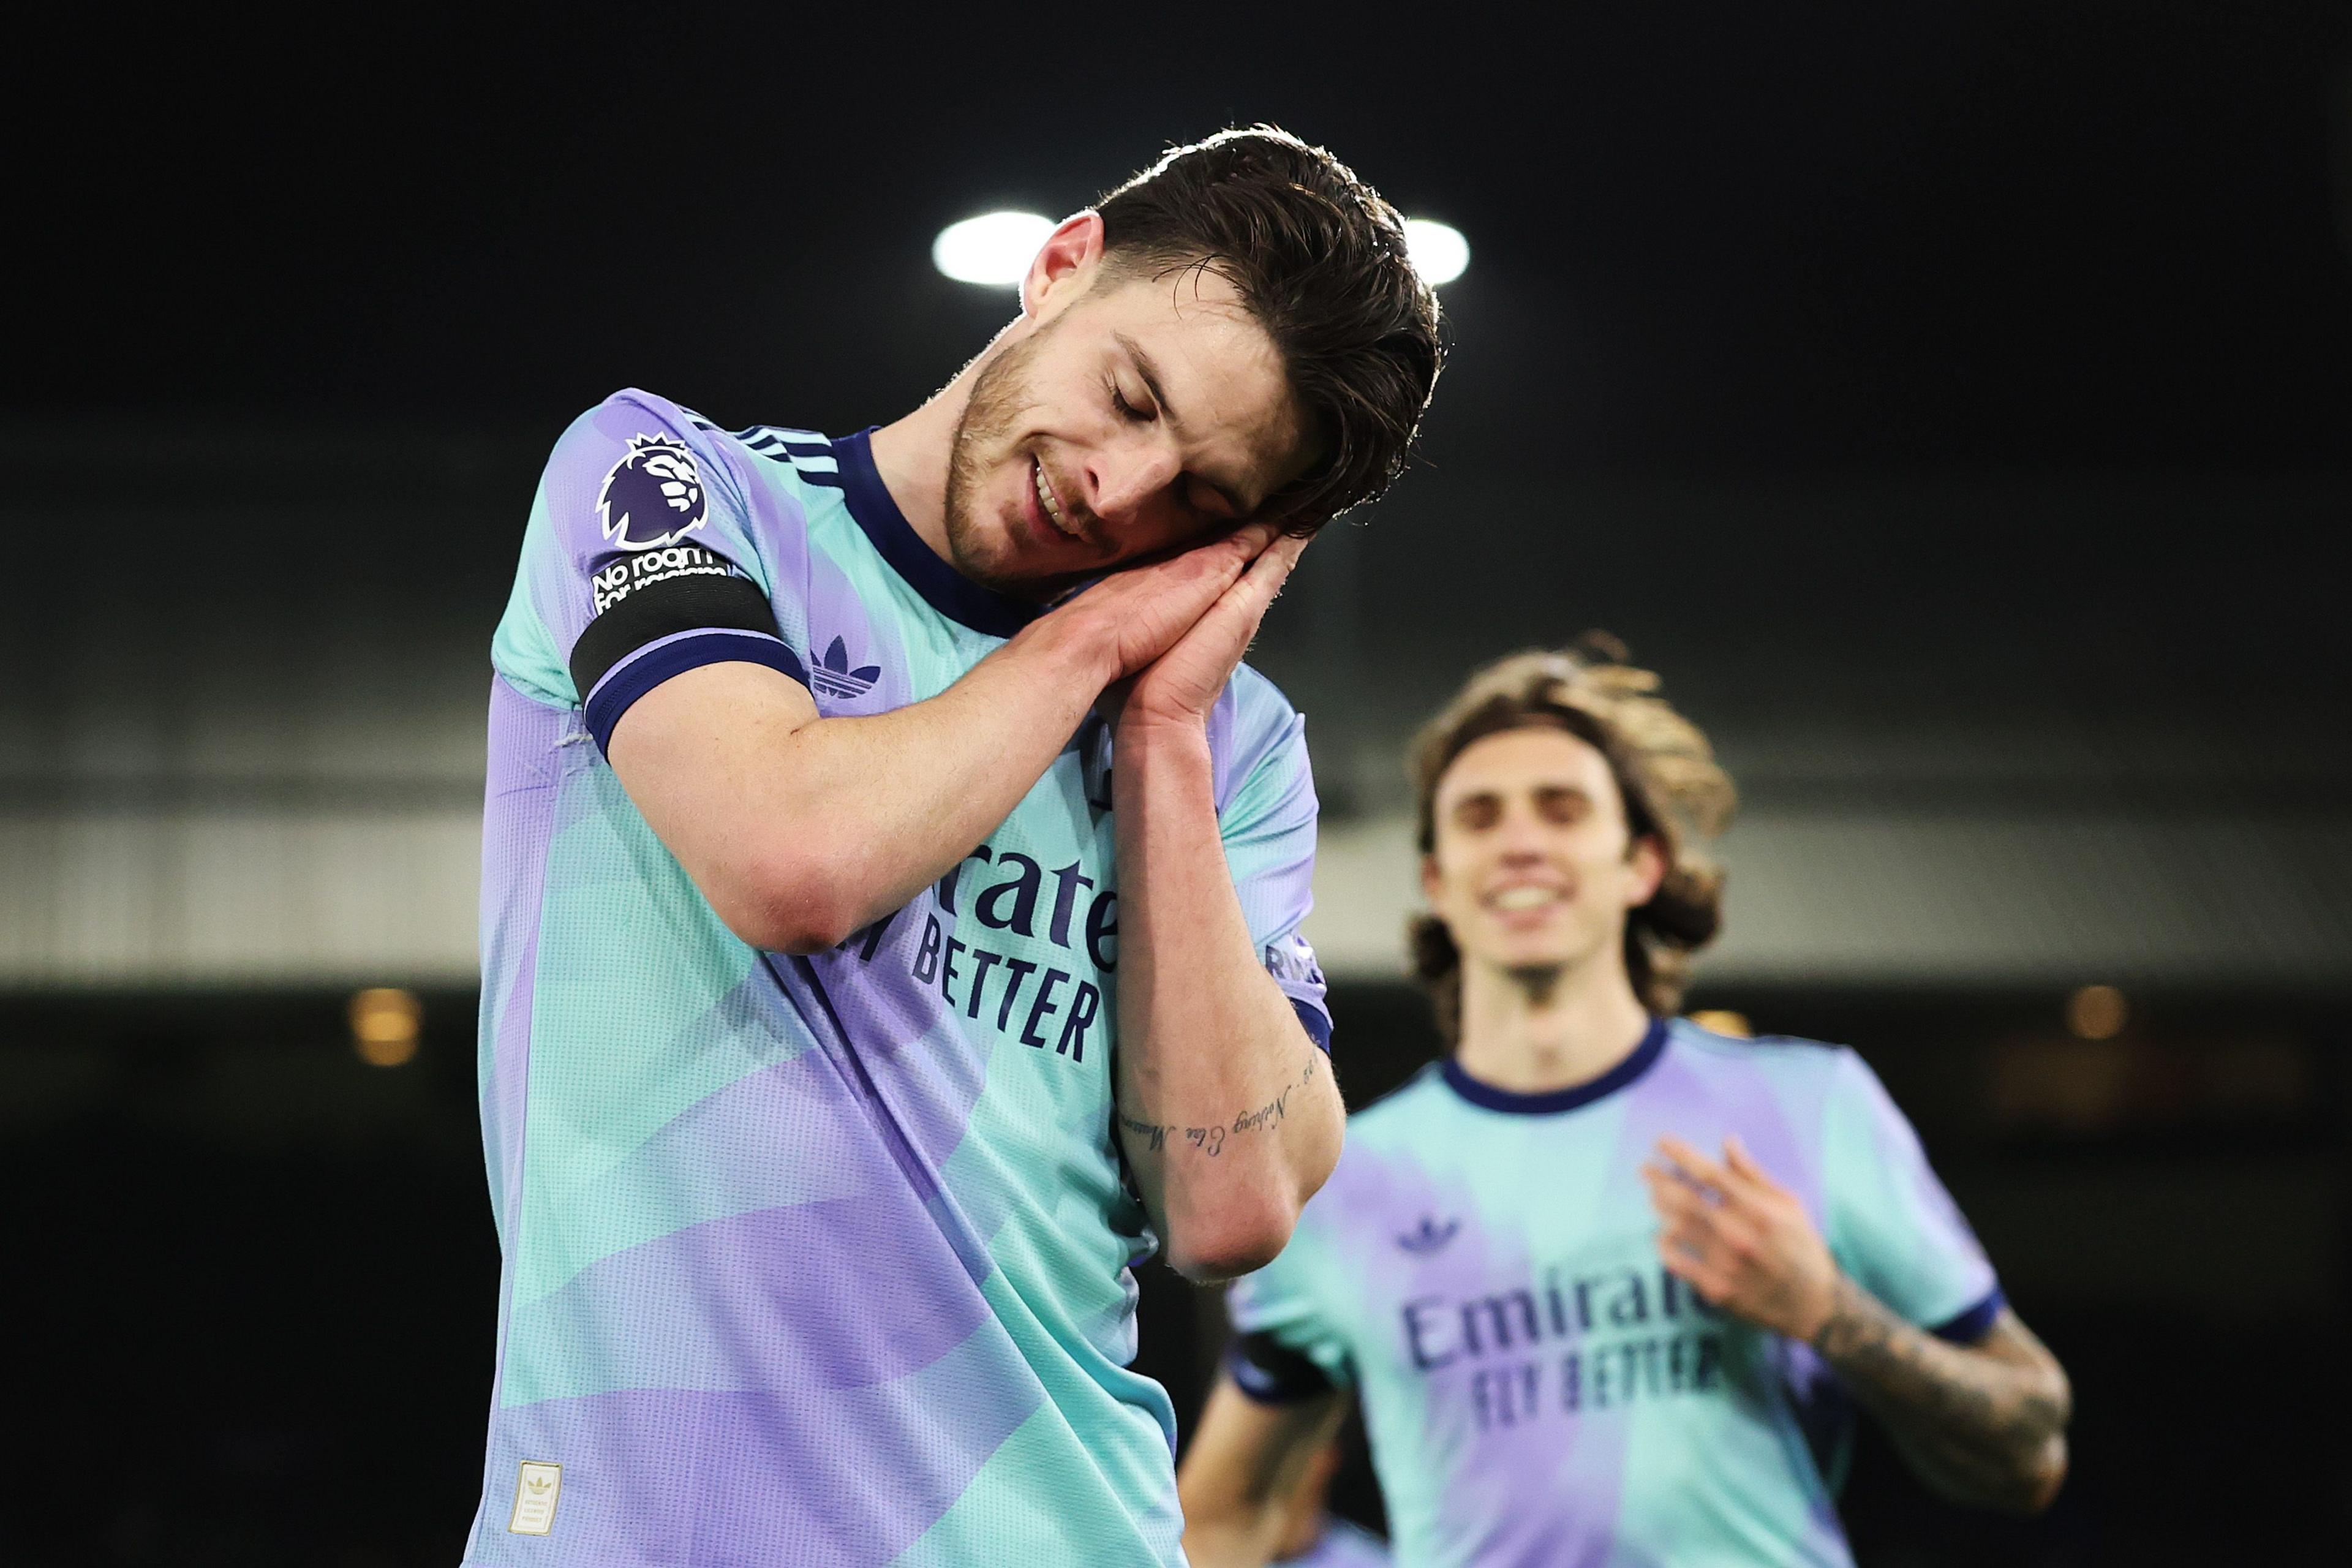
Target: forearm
point(1226, 1108)
point(1239, 1482)
point(808, 828)
point(1984, 1425)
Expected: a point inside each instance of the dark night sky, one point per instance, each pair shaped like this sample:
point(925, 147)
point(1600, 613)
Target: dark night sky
point(1736, 239)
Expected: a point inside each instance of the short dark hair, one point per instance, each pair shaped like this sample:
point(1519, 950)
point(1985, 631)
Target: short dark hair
point(1318, 258)
point(1666, 775)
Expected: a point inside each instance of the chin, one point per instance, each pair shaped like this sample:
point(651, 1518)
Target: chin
point(1539, 950)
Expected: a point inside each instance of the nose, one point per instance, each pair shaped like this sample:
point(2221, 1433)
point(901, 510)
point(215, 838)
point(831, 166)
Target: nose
point(1123, 476)
point(1521, 837)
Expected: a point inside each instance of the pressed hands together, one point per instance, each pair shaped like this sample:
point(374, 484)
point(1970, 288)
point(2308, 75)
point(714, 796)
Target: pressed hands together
point(801, 829)
point(1226, 1144)
point(1982, 1423)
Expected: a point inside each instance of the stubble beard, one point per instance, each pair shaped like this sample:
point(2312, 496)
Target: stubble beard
point(992, 414)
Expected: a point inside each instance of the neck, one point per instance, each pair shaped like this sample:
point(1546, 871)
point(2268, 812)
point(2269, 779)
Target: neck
point(1531, 1037)
point(911, 455)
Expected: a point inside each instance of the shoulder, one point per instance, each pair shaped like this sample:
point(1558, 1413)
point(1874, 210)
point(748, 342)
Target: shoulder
point(1825, 1085)
point(633, 419)
point(1251, 692)
point(1252, 724)
point(636, 440)
point(634, 411)
point(1785, 1058)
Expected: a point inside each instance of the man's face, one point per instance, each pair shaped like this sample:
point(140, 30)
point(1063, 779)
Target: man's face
point(1129, 419)
point(1534, 868)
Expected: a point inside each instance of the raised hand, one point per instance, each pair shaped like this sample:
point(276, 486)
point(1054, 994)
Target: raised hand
point(1133, 616)
point(1740, 1238)
point(1182, 684)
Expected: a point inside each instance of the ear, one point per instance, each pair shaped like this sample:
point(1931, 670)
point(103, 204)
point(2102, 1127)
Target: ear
point(1064, 266)
point(1430, 880)
point(1649, 863)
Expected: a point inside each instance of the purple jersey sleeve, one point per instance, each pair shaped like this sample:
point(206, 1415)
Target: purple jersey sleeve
point(1266, 815)
point(645, 559)
point(1892, 1226)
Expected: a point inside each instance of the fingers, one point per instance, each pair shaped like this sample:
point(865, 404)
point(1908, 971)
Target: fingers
point(1743, 1165)
point(1699, 1226)
point(1695, 1167)
point(1203, 574)
point(1673, 1195)
point(1693, 1270)
point(1244, 604)
point(1738, 1180)
point(1254, 537)
point(1289, 546)
point(1269, 570)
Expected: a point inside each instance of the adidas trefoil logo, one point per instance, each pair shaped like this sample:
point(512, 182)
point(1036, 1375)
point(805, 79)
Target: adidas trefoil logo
point(1428, 1236)
point(834, 677)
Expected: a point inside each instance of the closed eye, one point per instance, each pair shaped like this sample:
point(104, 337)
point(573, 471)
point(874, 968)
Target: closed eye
point(1125, 409)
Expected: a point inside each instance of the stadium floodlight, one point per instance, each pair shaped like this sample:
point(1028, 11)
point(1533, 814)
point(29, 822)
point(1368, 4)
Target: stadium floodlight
point(993, 249)
point(1439, 252)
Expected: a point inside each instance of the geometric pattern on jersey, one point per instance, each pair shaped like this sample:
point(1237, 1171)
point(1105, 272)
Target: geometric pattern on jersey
point(1482, 1269)
point(819, 1261)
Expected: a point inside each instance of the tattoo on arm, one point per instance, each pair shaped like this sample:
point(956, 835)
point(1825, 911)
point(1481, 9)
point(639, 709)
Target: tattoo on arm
point(1983, 1417)
point(1210, 1140)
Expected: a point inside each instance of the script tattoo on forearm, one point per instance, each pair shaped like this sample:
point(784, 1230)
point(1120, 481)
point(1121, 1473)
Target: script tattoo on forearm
point(1982, 1419)
point(1210, 1140)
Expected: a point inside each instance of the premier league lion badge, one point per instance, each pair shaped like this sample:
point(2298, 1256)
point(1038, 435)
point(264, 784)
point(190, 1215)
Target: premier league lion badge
point(653, 496)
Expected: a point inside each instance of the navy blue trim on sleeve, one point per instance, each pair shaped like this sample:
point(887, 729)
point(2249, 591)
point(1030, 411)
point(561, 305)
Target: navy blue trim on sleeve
point(657, 594)
point(621, 688)
point(1973, 1324)
point(1318, 1027)
point(1271, 1373)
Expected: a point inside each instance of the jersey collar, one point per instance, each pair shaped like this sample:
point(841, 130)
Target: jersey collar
point(944, 588)
point(1487, 1096)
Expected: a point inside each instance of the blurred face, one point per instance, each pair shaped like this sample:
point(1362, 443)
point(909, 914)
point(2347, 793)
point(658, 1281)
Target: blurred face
point(1533, 867)
point(1122, 419)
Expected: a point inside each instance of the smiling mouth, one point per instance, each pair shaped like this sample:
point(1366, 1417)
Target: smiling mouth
point(1525, 897)
point(1051, 507)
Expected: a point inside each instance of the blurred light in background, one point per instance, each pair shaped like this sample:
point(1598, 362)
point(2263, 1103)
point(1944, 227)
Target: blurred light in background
point(992, 249)
point(995, 248)
point(1723, 1021)
point(1439, 252)
point(384, 1026)
point(2097, 1013)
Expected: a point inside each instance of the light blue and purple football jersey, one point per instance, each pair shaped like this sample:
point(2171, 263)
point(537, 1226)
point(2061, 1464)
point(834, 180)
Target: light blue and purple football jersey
point(1482, 1270)
point(824, 1261)
point(1342, 1544)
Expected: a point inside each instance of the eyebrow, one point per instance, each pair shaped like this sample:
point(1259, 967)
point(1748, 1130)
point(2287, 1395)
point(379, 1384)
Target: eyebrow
point(1151, 373)
point(1145, 368)
point(1540, 792)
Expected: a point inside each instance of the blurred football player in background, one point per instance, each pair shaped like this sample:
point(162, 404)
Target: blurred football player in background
point(1608, 1284)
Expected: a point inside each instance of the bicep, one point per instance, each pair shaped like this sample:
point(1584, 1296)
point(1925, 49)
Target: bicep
point(698, 756)
point(1247, 1454)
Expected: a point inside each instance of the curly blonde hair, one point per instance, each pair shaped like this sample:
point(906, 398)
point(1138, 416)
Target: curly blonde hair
point(1673, 789)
